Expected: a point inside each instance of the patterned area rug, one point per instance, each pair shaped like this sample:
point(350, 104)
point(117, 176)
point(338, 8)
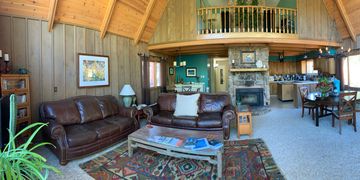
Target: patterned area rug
point(244, 159)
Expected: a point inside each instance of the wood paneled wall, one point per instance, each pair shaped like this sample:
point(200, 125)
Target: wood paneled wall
point(314, 22)
point(178, 22)
point(51, 58)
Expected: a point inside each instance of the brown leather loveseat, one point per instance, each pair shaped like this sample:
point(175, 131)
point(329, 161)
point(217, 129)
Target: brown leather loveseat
point(215, 113)
point(84, 124)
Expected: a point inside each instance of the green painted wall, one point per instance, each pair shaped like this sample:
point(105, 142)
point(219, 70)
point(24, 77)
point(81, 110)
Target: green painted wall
point(199, 62)
point(287, 4)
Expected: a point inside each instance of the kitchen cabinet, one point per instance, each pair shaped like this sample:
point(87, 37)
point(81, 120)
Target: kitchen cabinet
point(282, 68)
point(325, 65)
point(273, 88)
point(285, 91)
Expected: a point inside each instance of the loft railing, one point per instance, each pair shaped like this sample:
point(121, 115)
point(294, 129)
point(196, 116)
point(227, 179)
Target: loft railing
point(239, 19)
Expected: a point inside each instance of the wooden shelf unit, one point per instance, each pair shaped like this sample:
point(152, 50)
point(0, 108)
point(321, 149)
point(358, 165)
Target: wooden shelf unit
point(18, 84)
point(249, 69)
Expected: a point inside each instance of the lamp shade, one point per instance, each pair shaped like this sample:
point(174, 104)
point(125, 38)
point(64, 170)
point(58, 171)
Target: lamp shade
point(127, 90)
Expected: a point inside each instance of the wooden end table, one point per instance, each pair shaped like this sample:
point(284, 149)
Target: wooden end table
point(244, 120)
point(140, 138)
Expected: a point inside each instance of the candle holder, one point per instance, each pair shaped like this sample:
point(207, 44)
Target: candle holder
point(1, 71)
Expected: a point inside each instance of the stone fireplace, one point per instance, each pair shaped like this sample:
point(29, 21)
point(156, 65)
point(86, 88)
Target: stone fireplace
point(249, 85)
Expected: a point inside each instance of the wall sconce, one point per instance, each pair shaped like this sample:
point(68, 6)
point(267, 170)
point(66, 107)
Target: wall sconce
point(174, 64)
point(182, 63)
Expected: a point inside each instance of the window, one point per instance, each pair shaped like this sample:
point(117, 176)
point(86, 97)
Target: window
point(310, 67)
point(351, 73)
point(155, 74)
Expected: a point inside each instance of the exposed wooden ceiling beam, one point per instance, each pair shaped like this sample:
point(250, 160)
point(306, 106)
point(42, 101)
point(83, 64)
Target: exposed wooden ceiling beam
point(346, 19)
point(144, 21)
point(107, 17)
point(51, 14)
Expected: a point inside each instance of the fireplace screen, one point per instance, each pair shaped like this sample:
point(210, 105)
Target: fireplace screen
point(250, 96)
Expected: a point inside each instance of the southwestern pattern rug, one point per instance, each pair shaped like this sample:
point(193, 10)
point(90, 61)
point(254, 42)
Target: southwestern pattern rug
point(244, 159)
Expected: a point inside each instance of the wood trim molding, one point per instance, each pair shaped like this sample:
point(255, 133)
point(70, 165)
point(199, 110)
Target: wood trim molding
point(144, 21)
point(107, 17)
point(51, 14)
point(238, 41)
point(346, 19)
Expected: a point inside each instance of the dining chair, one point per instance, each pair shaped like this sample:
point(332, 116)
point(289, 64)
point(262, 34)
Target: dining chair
point(346, 109)
point(186, 88)
point(305, 104)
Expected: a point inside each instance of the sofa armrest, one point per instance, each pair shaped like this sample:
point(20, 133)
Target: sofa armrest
point(228, 115)
point(150, 111)
point(128, 112)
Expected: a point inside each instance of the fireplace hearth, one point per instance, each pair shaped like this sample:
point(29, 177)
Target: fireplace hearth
point(250, 96)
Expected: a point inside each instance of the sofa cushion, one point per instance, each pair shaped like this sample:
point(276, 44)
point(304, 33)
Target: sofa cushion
point(124, 123)
point(213, 102)
point(102, 128)
point(108, 106)
point(185, 121)
point(64, 112)
point(78, 135)
point(89, 108)
point(210, 120)
point(167, 102)
point(187, 105)
point(163, 117)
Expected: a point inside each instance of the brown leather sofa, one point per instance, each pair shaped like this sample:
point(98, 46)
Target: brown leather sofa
point(215, 113)
point(84, 124)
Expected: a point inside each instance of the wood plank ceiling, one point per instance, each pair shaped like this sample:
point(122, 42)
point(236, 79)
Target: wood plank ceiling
point(346, 14)
point(135, 19)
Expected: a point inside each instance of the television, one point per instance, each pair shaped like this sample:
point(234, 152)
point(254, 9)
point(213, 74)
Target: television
point(4, 120)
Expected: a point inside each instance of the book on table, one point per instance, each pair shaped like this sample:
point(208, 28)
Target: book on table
point(201, 143)
point(170, 141)
point(215, 144)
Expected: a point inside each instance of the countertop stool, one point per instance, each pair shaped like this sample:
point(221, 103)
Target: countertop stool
point(244, 120)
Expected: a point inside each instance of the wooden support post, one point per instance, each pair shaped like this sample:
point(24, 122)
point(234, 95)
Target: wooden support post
point(51, 14)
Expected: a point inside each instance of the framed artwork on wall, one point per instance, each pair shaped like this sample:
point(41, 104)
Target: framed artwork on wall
point(171, 70)
point(93, 70)
point(248, 57)
point(191, 72)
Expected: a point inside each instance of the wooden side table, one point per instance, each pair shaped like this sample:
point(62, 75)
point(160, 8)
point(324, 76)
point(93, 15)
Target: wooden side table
point(244, 120)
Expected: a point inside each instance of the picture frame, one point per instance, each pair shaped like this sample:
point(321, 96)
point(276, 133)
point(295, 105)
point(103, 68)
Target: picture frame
point(93, 70)
point(248, 57)
point(171, 70)
point(191, 72)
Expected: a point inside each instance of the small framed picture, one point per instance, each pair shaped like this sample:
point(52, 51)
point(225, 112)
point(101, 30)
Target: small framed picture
point(93, 70)
point(171, 70)
point(248, 57)
point(191, 72)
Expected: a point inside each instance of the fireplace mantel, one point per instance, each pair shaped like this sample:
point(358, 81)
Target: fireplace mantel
point(249, 70)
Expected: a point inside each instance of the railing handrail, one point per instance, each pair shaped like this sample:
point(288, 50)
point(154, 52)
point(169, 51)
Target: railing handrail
point(250, 6)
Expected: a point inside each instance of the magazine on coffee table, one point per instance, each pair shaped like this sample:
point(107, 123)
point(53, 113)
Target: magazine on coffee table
point(170, 141)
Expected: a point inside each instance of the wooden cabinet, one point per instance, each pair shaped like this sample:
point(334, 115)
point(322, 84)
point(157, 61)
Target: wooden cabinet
point(285, 91)
point(273, 88)
point(325, 65)
point(282, 68)
point(19, 85)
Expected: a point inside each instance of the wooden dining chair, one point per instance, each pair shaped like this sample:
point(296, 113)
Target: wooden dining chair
point(186, 88)
point(346, 109)
point(304, 91)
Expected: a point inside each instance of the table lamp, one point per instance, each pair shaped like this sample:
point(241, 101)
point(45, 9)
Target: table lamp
point(127, 93)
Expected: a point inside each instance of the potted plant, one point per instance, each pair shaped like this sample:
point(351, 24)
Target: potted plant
point(21, 162)
point(324, 86)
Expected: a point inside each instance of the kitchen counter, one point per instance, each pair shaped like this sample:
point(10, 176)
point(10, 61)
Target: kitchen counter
point(285, 91)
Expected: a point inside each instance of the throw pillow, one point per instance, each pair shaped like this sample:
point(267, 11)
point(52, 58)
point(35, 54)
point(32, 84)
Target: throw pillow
point(186, 105)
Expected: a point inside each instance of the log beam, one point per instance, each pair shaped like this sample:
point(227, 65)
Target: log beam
point(51, 14)
point(346, 19)
point(144, 21)
point(107, 17)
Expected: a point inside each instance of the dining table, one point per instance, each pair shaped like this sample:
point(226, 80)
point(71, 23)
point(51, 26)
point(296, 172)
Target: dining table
point(323, 105)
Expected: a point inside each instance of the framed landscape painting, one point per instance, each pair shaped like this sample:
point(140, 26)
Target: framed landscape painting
point(191, 72)
point(248, 57)
point(93, 70)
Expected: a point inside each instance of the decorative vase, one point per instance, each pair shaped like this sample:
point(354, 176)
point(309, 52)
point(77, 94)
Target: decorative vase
point(127, 101)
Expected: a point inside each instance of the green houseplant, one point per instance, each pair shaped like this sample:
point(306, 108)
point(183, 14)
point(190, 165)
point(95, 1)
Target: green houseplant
point(21, 162)
point(324, 86)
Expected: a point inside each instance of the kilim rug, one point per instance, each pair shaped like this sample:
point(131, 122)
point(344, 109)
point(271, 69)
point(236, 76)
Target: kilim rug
point(244, 159)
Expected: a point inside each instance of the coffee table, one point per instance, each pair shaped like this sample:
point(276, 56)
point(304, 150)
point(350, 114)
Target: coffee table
point(140, 138)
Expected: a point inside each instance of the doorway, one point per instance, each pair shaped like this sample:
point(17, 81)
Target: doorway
point(221, 71)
